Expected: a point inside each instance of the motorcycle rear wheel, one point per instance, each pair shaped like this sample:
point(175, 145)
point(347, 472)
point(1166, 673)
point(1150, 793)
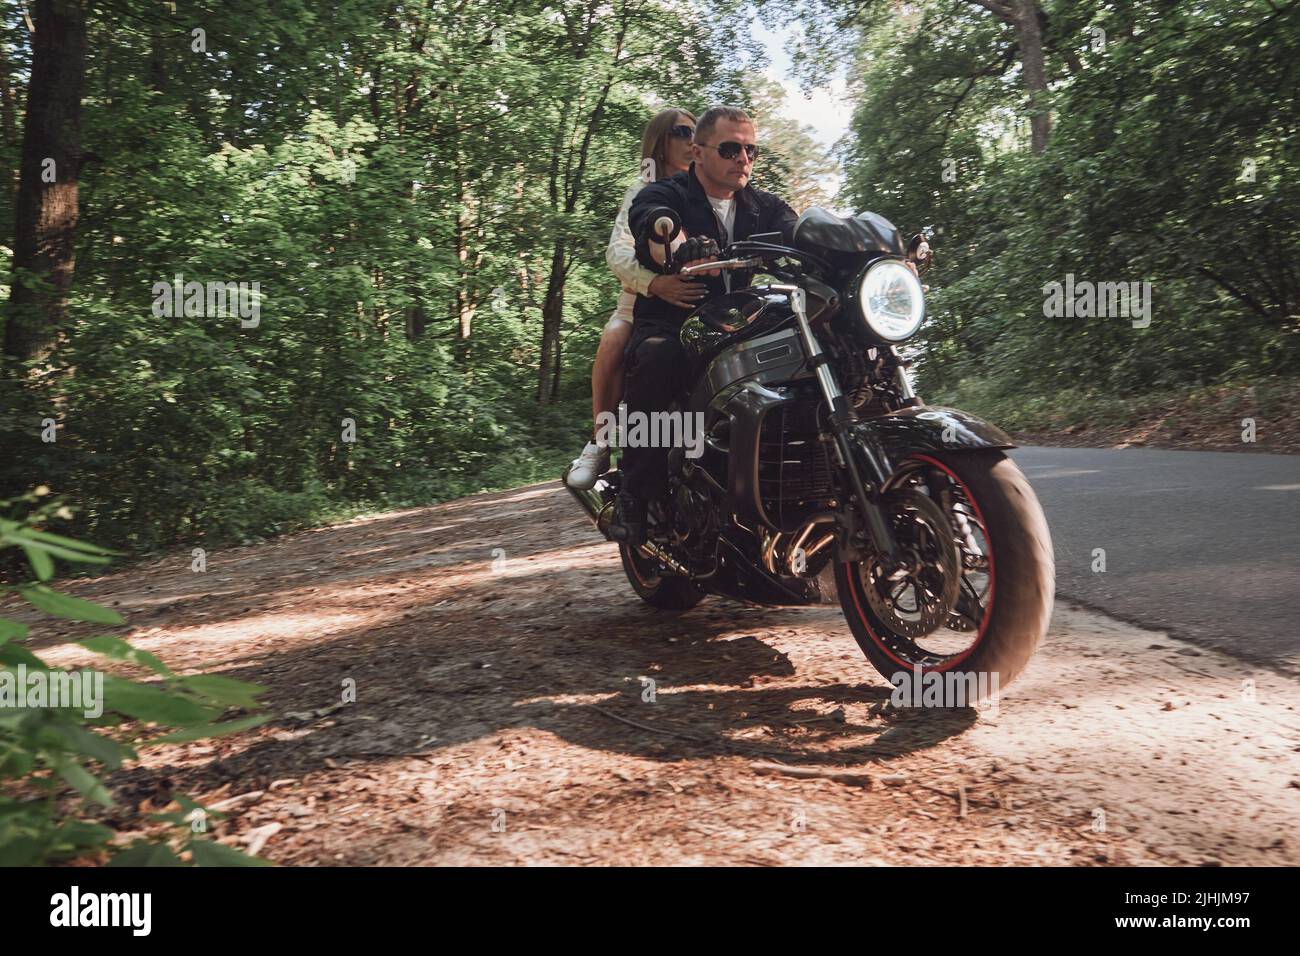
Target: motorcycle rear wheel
point(658, 589)
point(1007, 606)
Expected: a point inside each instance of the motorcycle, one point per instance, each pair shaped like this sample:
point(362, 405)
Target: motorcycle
point(824, 478)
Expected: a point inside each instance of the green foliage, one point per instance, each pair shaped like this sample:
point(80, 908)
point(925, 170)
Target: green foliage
point(44, 750)
point(423, 193)
point(409, 186)
point(1174, 159)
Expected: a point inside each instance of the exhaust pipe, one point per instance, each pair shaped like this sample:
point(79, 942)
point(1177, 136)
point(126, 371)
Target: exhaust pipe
point(652, 550)
point(593, 503)
point(602, 515)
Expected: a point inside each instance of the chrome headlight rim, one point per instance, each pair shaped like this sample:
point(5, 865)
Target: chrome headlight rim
point(877, 326)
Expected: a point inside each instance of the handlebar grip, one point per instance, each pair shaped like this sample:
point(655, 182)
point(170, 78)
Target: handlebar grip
point(664, 225)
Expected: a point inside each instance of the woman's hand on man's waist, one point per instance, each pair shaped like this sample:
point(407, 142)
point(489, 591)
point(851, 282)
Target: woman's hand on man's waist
point(681, 291)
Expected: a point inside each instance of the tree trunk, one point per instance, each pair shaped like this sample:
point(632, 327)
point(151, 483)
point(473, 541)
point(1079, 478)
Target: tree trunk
point(1023, 17)
point(7, 108)
point(1030, 38)
point(416, 319)
point(548, 379)
point(466, 300)
point(559, 367)
point(46, 212)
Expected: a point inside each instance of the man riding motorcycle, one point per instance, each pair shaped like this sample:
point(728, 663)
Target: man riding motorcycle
point(716, 206)
point(815, 474)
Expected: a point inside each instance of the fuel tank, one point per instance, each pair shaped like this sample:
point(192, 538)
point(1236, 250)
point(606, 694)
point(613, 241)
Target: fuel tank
point(726, 320)
point(737, 337)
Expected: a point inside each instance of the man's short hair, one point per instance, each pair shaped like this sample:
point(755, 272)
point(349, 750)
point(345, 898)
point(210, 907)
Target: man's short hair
point(704, 128)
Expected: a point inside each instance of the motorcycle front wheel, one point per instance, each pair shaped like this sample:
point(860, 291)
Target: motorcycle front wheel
point(977, 593)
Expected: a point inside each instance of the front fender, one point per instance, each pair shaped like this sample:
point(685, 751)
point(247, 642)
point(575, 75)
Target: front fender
point(932, 429)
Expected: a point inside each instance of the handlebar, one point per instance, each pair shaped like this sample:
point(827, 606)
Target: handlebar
point(749, 255)
point(721, 264)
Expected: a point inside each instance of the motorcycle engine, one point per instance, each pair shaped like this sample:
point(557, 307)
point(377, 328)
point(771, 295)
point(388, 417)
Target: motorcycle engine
point(693, 521)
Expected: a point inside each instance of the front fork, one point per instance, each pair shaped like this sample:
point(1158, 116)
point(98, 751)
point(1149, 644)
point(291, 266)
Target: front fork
point(864, 461)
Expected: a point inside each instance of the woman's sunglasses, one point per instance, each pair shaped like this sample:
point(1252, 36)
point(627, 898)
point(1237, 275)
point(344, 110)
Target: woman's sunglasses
point(730, 150)
point(682, 132)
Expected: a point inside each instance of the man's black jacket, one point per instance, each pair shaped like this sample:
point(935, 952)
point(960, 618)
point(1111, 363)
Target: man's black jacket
point(756, 212)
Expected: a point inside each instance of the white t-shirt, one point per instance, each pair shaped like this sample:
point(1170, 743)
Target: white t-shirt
point(725, 210)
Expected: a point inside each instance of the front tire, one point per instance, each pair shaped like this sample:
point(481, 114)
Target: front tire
point(657, 588)
point(1006, 595)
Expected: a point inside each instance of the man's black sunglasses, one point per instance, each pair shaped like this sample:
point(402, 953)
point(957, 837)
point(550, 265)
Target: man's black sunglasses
point(682, 132)
point(730, 149)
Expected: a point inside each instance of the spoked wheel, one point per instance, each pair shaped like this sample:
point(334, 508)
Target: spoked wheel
point(655, 585)
point(975, 590)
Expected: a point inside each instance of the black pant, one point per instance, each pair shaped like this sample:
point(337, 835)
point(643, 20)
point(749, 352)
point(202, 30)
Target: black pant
point(654, 366)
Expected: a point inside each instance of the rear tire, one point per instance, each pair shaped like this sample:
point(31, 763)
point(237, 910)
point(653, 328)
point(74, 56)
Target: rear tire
point(1021, 581)
point(666, 591)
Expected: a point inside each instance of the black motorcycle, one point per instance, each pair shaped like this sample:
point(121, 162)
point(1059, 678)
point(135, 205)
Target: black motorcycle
point(823, 477)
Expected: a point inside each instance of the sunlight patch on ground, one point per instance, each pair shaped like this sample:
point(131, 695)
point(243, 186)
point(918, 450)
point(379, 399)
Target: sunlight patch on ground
point(580, 700)
point(306, 627)
point(543, 492)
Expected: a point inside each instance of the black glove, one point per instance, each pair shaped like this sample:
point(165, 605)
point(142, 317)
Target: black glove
point(696, 247)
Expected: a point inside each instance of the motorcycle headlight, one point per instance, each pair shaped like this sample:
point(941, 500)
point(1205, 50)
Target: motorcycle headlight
point(891, 300)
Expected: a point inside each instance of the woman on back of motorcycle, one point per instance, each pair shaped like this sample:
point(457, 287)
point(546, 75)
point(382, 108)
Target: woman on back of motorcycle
point(665, 150)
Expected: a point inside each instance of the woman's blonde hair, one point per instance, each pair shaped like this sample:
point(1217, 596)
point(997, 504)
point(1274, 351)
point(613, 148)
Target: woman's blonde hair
point(654, 141)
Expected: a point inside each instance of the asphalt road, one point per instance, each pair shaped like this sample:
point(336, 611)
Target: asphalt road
point(1205, 545)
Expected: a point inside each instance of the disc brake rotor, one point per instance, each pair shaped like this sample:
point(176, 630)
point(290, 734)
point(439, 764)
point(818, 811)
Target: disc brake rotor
point(918, 601)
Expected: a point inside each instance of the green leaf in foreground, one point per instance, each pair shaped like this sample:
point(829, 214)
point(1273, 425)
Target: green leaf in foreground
point(81, 547)
point(146, 854)
point(204, 731)
point(19, 851)
point(75, 747)
point(152, 704)
point(75, 836)
point(11, 655)
point(224, 690)
point(86, 783)
point(120, 650)
point(64, 605)
point(45, 549)
point(104, 749)
point(40, 561)
point(208, 853)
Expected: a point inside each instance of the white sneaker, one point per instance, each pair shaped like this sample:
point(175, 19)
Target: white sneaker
point(588, 466)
